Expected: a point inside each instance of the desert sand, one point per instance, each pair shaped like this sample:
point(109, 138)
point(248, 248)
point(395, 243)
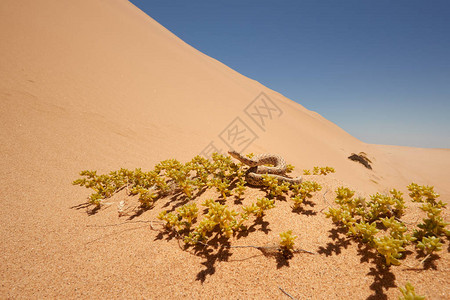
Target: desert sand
point(99, 85)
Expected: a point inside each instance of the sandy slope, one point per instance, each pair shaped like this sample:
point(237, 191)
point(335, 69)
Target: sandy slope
point(97, 84)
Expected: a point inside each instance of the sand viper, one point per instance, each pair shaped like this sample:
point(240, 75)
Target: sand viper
point(258, 168)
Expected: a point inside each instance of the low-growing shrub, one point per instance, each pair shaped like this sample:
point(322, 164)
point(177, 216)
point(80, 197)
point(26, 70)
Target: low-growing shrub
point(287, 241)
point(375, 222)
point(363, 220)
point(319, 171)
point(408, 293)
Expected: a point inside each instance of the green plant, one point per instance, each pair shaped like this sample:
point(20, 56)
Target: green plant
point(378, 206)
point(422, 193)
point(287, 240)
point(188, 213)
point(218, 215)
point(319, 171)
point(397, 229)
point(289, 168)
point(172, 220)
point(222, 186)
point(302, 191)
point(434, 224)
point(275, 188)
point(375, 222)
point(366, 231)
point(430, 244)
point(167, 176)
point(399, 202)
point(106, 185)
point(390, 248)
point(349, 208)
point(161, 185)
point(382, 205)
point(258, 209)
point(223, 167)
point(146, 197)
point(362, 219)
point(240, 186)
point(408, 293)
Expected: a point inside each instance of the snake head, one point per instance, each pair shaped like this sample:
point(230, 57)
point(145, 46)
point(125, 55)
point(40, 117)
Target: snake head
point(234, 153)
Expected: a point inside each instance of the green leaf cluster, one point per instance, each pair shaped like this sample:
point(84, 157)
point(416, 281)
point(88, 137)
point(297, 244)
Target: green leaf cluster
point(408, 293)
point(289, 168)
point(362, 220)
point(191, 178)
point(430, 244)
point(391, 246)
point(275, 188)
point(366, 231)
point(258, 209)
point(297, 192)
point(218, 215)
point(319, 171)
point(349, 208)
point(167, 176)
point(376, 222)
point(433, 226)
point(356, 209)
point(382, 205)
point(302, 191)
point(106, 185)
point(183, 219)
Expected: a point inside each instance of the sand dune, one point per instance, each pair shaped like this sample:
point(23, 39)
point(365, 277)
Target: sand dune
point(95, 84)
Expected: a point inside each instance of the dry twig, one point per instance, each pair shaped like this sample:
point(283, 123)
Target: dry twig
point(286, 293)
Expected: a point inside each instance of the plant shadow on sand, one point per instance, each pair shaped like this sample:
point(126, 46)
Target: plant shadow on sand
point(218, 247)
point(219, 251)
point(87, 206)
point(340, 241)
point(383, 277)
point(303, 211)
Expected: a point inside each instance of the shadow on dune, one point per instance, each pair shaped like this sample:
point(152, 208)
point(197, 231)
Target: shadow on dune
point(307, 212)
point(212, 254)
point(87, 206)
point(383, 278)
point(340, 241)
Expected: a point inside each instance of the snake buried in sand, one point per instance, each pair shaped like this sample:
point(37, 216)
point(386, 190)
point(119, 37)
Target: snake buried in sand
point(254, 175)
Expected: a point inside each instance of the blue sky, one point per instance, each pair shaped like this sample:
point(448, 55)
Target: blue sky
point(380, 69)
